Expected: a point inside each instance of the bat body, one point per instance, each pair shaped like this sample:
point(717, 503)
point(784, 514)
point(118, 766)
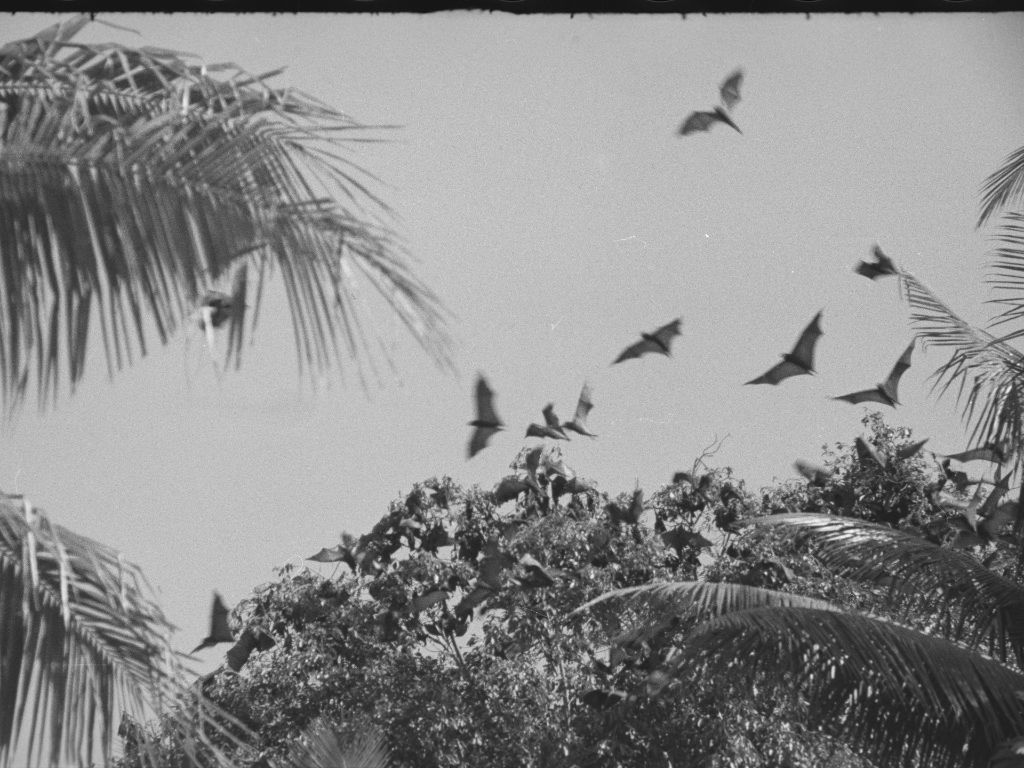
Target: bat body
point(579, 419)
point(729, 92)
point(551, 420)
point(884, 393)
point(799, 361)
point(249, 641)
point(486, 423)
point(881, 266)
point(219, 630)
point(659, 342)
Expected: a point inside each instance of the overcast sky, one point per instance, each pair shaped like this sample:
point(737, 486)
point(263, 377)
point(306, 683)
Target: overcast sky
point(547, 199)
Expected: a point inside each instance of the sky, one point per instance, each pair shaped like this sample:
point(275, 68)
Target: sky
point(543, 191)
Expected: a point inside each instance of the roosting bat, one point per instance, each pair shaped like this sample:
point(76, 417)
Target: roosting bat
point(797, 362)
point(883, 393)
point(219, 631)
point(486, 422)
point(660, 341)
point(579, 420)
point(881, 266)
point(702, 121)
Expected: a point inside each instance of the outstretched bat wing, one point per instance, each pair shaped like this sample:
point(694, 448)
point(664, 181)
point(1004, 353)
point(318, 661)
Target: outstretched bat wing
point(867, 453)
point(912, 449)
point(778, 372)
point(666, 333)
point(658, 341)
point(990, 452)
point(698, 121)
point(803, 352)
point(865, 396)
point(881, 266)
point(219, 630)
point(730, 89)
point(891, 383)
point(642, 347)
point(816, 474)
point(579, 419)
point(480, 437)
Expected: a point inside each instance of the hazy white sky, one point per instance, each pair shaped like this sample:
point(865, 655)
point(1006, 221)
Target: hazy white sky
point(549, 202)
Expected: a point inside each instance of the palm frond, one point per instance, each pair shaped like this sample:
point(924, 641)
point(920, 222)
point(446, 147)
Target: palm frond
point(321, 746)
point(987, 372)
point(976, 605)
point(79, 637)
point(133, 180)
point(1003, 187)
point(702, 599)
point(899, 696)
point(1006, 271)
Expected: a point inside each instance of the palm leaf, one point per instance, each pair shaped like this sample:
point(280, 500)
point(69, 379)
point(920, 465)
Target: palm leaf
point(977, 605)
point(898, 696)
point(1006, 271)
point(1003, 187)
point(986, 371)
point(321, 746)
point(133, 180)
point(80, 638)
point(702, 599)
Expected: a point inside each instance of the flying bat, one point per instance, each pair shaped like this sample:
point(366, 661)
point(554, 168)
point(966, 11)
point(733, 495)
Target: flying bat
point(552, 421)
point(219, 630)
point(561, 486)
point(881, 266)
point(657, 342)
point(630, 515)
point(579, 420)
point(250, 640)
point(702, 121)
point(994, 452)
point(509, 489)
point(884, 393)
point(797, 362)
point(486, 422)
point(543, 430)
point(815, 474)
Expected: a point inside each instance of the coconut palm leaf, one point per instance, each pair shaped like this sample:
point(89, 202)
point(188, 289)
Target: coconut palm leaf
point(977, 605)
point(900, 697)
point(702, 599)
point(80, 639)
point(321, 746)
point(987, 372)
point(132, 180)
point(1003, 187)
point(1006, 271)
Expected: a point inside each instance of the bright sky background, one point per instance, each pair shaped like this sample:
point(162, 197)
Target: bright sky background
point(549, 202)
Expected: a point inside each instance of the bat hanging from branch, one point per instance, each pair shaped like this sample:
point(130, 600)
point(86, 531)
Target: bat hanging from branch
point(658, 342)
point(880, 267)
point(702, 121)
point(884, 393)
point(798, 362)
point(486, 423)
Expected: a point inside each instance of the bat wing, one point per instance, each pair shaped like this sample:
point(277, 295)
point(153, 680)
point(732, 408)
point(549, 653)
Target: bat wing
point(990, 452)
point(730, 89)
point(250, 640)
point(552, 420)
point(867, 453)
point(642, 347)
point(870, 271)
point(478, 441)
point(583, 406)
point(815, 473)
point(330, 555)
point(508, 489)
point(891, 383)
point(866, 396)
point(777, 373)
point(803, 352)
point(911, 450)
point(698, 121)
point(485, 403)
point(883, 263)
point(666, 333)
